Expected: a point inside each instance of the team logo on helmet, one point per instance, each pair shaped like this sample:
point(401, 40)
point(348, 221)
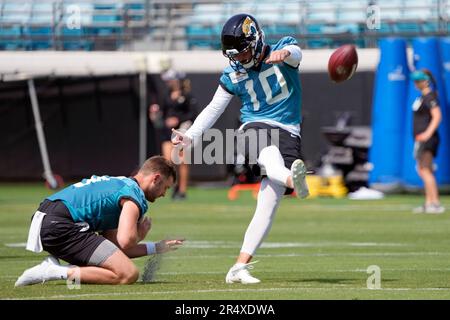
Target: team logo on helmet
point(248, 27)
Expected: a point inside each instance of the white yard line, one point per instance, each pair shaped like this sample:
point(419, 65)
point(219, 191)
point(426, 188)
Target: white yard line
point(200, 244)
point(345, 207)
point(232, 244)
point(16, 245)
point(301, 207)
point(287, 255)
point(176, 273)
point(139, 293)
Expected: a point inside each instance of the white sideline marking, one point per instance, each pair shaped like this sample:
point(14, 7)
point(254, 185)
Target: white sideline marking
point(16, 245)
point(234, 244)
point(346, 207)
point(373, 254)
point(316, 207)
point(331, 271)
point(132, 293)
point(395, 269)
point(176, 273)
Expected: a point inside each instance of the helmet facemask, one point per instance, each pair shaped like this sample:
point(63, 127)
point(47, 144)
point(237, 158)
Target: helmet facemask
point(244, 65)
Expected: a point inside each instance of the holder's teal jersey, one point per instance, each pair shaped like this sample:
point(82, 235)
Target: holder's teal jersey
point(271, 93)
point(97, 200)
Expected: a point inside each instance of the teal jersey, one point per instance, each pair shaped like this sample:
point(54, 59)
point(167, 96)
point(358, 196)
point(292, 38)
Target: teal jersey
point(97, 200)
point(268, 92)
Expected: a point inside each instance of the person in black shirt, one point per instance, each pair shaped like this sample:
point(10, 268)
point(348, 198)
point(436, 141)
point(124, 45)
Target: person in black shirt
point(177, 111)
point(427, 116)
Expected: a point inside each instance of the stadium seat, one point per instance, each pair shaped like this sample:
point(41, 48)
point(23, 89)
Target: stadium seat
point(321, 12)
point(430, 27)
point(205, 26)
point(16, 13)
point(352, 12)
point(107, 23)
point(74, 38)
point(131, 7)
point(14, 17)
point(267, 14)
point(203, 36)
point(40, 27)
point(409, 27)
point(289, 20)
point(31, 24)
point(11, 38)
point(318, 41)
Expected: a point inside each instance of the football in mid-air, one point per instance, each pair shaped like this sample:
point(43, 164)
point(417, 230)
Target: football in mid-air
point(343, 63)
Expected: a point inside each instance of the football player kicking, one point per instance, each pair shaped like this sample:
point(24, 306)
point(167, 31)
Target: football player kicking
point(67, 225)
point(265, 78)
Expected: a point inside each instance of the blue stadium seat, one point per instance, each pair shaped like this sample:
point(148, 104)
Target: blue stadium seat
point(13, 39)
point(323, 12)
point(429, 27)
point(40, 26)
point(289, 21)
point(100, 21)
point(318, 16)
point(207, 37)
point(42, 13)
point(205, 26)
point(130, 6)
point(411, 27)
point(41, 38)
point(391, 10)
point(16, 13)
point(267, 14)
point(77, 38)
point(319, 41)
point(385, 28)
point(14, 17)
point(31, 25)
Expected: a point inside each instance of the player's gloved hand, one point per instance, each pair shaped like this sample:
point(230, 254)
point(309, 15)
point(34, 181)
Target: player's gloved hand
point(180, 139)
point(164, 246)
point(278, 56)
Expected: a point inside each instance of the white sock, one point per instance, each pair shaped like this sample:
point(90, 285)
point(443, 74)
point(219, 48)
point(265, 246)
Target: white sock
point(55, 272)
point(271, 159)
point(269, 197)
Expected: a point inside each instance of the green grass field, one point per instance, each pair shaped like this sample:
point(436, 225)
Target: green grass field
point(317, 249)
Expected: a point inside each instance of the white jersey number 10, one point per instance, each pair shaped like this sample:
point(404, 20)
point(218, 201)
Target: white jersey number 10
point(270, 99)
